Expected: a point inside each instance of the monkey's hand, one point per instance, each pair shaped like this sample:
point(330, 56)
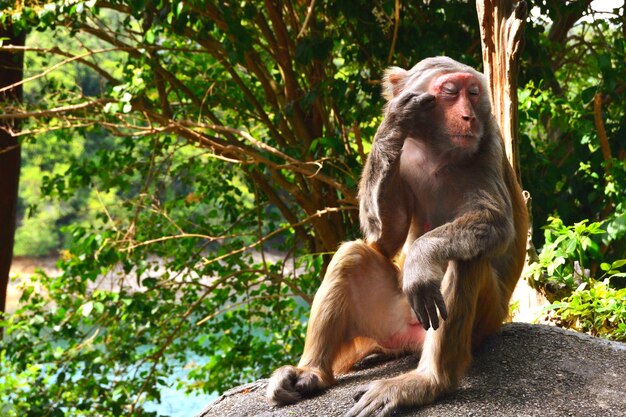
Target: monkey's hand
point(407, 108)
point(423, 288)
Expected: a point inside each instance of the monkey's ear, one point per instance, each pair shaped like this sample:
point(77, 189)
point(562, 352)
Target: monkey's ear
point(393, 81)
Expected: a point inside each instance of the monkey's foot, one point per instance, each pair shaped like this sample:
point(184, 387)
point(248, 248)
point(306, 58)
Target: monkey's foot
point(289, 384)
point(380, 398)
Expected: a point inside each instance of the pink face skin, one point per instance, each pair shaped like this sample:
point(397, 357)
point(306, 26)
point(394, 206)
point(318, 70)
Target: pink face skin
point(457, 95)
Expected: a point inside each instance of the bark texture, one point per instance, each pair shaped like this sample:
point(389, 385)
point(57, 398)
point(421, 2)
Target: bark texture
point(502, 28)
point(11, 71)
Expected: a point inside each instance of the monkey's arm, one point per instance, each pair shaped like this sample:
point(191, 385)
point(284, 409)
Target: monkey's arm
point(484, 229)
point(385, 203)
point(384, 214)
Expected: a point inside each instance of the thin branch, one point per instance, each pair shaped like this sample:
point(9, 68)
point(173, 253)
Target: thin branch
point(604, 140)
point(173, 237)
point(395, 32)
point(106, 211)
point(54, 67)
point(307, 219)
point(51, 129)
point(58, 110)
point(247, 300)
point(359, 141)
point(119, 45)
point(9, 148)
point(309, 13)
point(295, 165)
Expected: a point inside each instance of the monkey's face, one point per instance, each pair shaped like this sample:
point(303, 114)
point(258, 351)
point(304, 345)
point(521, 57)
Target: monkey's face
point(455, 121)
point(458, 116)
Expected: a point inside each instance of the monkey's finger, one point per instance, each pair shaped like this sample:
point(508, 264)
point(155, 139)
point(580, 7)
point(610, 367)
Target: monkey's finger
point(441, 305)
point(358, 408)
point(404, 99)
point(432, 312)
point(424, 100)
point(359, 391)
point(387, 410)
point(420, 309)
point(369, 407)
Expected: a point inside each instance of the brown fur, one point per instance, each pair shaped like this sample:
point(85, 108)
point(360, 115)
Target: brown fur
point(438, 196)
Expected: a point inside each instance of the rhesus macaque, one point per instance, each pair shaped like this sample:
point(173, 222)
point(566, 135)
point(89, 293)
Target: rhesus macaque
point(444, 225)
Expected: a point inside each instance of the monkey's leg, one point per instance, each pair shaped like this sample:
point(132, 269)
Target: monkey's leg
point(358, 307)
point(446, 353)
point(492, 309)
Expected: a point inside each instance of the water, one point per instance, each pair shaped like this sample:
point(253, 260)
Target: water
point(175, 402)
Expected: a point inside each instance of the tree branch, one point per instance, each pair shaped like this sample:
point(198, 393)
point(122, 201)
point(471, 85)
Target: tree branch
point(602, 136)
point(317, 214)
point(58, 110)
point(48, 70)
point(396, 27)
point(309, 13)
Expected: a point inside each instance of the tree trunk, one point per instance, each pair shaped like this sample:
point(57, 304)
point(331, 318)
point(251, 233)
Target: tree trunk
point(11, 72)
point(502, 29)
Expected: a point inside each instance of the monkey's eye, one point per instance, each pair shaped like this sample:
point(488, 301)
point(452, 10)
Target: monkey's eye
point(449, 88)
point(474, 90)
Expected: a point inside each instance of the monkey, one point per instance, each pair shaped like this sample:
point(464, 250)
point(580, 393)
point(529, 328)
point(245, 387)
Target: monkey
point(444, 227)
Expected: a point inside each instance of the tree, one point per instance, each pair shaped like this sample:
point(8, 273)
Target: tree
point(502, 30)
point(12, 68)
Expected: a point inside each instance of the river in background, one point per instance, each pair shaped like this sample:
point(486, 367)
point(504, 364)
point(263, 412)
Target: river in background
point(175, 403)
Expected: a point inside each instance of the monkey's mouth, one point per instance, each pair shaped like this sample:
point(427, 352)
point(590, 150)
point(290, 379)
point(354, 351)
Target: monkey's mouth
point(463, 140)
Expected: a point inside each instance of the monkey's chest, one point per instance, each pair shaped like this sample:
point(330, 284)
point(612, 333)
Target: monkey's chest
point(435, 203)
point(437, 190)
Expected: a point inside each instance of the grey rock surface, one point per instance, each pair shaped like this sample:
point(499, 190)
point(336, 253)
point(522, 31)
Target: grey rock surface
point(525, 370)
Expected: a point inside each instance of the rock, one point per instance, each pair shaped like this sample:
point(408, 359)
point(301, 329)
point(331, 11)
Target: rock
point(525, 370)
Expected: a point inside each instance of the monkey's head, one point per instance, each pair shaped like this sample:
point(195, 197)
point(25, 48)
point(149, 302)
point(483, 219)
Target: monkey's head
point(461, 112)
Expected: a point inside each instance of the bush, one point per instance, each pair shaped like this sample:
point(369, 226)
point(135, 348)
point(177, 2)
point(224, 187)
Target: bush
point(590, 300)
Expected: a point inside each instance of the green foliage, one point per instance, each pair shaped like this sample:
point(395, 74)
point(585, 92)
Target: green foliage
point(574, 165)
point(595, 308)
point(590, 301)
point(37, 235)
point(561, 143)
point(118, 326)
point(49, 154)
point(566, 251)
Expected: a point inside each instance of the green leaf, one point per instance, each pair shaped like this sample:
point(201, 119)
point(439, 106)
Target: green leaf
point(618, 264)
